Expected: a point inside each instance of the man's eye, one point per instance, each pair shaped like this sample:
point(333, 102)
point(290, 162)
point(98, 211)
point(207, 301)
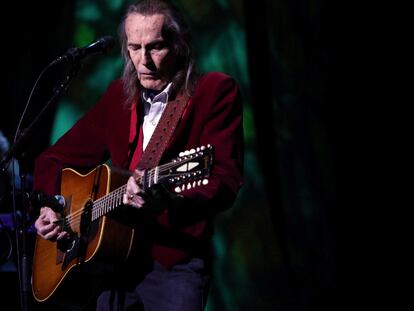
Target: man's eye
point(158, 46)
point(134, 47)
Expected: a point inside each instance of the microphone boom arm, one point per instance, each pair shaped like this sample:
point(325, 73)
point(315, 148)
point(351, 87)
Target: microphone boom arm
point(74, 55)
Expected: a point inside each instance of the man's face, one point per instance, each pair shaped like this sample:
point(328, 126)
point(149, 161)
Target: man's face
point(153, 58)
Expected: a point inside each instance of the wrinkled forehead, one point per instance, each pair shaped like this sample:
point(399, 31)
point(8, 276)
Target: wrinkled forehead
point(137, 23)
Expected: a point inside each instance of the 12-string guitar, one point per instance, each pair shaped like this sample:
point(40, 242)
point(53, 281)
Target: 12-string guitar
point(96, 239)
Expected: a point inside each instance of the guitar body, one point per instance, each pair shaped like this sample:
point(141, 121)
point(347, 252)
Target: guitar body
point(94, 246)
point(69, 272)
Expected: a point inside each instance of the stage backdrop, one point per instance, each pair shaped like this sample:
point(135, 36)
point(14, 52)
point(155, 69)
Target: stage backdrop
point(275, 248)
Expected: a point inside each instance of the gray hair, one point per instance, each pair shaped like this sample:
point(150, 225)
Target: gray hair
point(176, 32)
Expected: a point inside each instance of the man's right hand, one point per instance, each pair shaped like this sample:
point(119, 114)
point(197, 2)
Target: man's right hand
point(48, 225)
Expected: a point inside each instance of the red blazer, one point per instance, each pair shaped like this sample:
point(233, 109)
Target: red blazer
point(213, 116)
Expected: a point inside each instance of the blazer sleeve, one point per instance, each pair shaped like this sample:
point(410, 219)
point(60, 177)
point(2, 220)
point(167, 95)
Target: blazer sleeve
point(83, 146)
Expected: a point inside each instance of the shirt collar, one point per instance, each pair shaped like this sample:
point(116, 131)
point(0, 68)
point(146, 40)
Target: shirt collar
point(150, 96)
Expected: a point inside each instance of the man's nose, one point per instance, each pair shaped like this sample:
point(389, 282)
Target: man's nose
point(145, 56)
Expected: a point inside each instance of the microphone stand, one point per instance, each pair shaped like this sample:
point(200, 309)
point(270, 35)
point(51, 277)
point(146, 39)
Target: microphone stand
point(21, 229)
point(15, 151)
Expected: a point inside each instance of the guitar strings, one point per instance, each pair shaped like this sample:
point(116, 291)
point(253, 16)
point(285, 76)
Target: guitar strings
point(99, 205)
point(151, 174)
point(75, 217)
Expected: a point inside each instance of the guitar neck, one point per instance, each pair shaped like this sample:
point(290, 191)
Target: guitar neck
point(108, 203)
point(113, 200)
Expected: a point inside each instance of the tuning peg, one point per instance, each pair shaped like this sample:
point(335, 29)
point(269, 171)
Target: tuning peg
point(202, 147)
point(198, 149)
point(205, 182)
point(177, 189)
point(181, 154)
point(192, 151)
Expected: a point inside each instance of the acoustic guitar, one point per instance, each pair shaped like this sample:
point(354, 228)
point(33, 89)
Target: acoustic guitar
point(98, 240)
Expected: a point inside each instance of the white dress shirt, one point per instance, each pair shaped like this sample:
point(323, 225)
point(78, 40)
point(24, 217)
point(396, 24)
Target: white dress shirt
point(153, 109)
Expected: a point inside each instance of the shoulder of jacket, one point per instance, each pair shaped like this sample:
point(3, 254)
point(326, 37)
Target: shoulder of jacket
point(216, 76)
point(116, 85)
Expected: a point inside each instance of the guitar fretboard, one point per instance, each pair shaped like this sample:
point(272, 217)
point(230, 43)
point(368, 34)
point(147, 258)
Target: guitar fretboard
point(107, 203)
point(112, 200)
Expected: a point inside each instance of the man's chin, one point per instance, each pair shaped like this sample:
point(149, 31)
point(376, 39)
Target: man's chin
point(153, 84)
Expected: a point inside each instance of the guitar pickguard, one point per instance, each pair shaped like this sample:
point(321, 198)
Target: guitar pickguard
point(71, 252)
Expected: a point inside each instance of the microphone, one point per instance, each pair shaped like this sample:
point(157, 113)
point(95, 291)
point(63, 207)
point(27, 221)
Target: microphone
point(39, 199)
point(74, 55)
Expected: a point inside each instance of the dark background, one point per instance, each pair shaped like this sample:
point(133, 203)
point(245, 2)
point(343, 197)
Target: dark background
point(289, 241)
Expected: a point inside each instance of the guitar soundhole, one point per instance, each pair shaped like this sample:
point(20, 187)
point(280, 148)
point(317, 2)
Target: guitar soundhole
point(86, 218)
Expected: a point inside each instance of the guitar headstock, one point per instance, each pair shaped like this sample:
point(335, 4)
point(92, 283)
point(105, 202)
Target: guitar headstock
point(190, 169)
